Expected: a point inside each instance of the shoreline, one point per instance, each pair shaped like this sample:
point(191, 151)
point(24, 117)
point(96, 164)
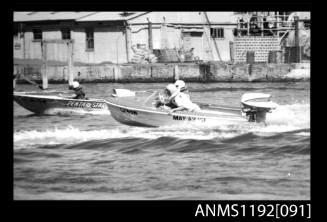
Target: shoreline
point(167, 72)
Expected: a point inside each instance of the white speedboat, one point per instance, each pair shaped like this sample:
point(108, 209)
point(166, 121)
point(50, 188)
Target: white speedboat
point(45, 103)
point(135, 109)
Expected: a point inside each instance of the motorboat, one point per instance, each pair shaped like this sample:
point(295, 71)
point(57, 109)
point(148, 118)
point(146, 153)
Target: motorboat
point(50, 103)
point(138, 109)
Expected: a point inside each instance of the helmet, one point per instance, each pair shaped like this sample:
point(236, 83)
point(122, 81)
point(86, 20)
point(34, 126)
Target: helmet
point(171, 88)
point(180, 84)
point(75, 84)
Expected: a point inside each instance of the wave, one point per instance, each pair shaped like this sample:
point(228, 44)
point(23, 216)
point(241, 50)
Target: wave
point(286, 118)
point(217, 89)
point(299, 74)
point(245, 143)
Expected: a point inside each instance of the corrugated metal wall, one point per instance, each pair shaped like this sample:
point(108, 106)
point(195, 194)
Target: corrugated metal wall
point(168, 37)
point(110, 43)
point(109, 46)
point(57, 52)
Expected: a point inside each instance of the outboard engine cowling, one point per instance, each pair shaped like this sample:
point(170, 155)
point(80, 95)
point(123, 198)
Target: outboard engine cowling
point(256, 105)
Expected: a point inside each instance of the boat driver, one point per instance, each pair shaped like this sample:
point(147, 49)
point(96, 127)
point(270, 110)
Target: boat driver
point(181, 87)
point(78, 90)
point(181, 100)
point(167, 99)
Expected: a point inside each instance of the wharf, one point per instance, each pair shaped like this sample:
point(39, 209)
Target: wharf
point(168, 72)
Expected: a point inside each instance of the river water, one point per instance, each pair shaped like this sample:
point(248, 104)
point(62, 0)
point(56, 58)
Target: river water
point(95, 157)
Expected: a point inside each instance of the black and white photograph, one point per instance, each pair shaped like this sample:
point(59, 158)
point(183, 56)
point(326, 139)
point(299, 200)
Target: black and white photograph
point(161, 105)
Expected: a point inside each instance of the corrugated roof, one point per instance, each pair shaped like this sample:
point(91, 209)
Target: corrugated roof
point(185, 17)
point(110, 16)
point(48, 16)
point(222, 17)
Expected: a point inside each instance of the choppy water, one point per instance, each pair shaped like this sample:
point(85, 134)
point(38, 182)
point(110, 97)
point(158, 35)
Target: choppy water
point(94, 157)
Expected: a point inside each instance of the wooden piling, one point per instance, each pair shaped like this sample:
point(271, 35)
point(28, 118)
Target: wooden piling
point(176, 72)
point(213, 40)
point(44, 67)
point(250, 59)
point(296, 38)
point(128, 43)
point(150, 34)
point(70, 63)
point(117, 73)
point(231, 51)
point(15, 77)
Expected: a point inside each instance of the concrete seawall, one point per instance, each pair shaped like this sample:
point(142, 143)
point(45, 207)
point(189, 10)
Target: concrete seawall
point(161, 72)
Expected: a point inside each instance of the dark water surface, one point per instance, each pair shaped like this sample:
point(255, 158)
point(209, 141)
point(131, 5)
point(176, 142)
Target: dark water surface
point(94, 157)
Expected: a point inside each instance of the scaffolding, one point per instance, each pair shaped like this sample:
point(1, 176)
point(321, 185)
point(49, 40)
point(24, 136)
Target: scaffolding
point(265, 24)
point(274, 24)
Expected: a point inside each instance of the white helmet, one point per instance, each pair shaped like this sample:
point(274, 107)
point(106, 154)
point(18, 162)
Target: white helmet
point(180, 84)
point(171, 88)
point(75, 84)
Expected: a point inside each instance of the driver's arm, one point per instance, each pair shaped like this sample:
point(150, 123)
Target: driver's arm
point(177, 109)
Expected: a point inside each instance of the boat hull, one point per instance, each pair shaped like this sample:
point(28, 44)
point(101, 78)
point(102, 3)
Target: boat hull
point(55, 105)
point(127, 114)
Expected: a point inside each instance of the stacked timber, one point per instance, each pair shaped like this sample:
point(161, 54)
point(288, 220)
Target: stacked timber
point(143, 56)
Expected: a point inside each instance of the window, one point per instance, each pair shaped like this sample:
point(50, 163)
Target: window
point(217, 32)
point(89, 39)
point(37, 34)
point(65, 34)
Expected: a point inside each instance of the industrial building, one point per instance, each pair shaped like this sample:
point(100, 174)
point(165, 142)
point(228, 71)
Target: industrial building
point(108, 37)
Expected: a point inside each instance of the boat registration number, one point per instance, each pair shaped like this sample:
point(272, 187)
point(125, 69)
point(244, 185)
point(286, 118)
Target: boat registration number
point(188, 118)
point(78, 104)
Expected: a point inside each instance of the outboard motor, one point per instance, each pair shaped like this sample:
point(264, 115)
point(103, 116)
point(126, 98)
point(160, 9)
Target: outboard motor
point(256, 105)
